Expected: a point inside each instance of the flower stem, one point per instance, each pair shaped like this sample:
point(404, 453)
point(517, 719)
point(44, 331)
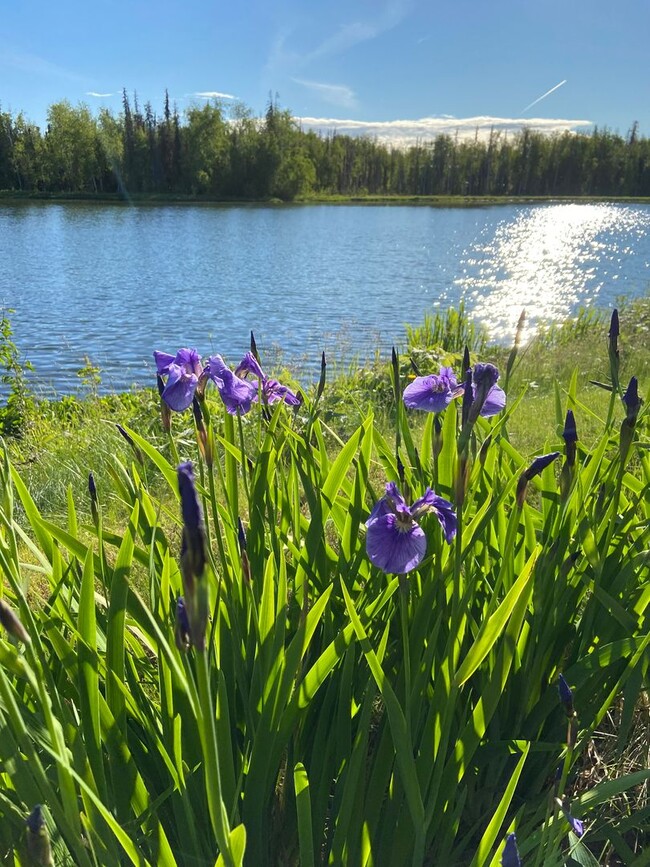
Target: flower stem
point(406, 652)
point(216, 806)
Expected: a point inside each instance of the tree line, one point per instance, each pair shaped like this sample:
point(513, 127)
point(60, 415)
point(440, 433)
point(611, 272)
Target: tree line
point(232, 154)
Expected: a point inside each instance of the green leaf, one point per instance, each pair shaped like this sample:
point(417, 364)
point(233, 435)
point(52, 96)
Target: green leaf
point(492, 628)
point(303, 807)
point(498, 818)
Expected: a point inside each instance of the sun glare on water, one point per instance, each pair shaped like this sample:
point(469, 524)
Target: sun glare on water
point(548, 261)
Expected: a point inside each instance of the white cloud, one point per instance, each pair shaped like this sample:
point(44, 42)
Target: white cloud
point(97, 95)
point(403, 133)
point(335, 94)
point(388, 16)
point(346, 37)
point(35, 65)
point(211, 94)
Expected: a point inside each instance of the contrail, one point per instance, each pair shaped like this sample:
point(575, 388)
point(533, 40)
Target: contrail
point(543, 96)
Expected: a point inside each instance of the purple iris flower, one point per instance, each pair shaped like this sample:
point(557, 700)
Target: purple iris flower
point(237, 394)
point(395, 542)
point(272, 390)
point(577, 825)
point(431, 393)
point(510, 856)
point(487, 395)
point(182, 371)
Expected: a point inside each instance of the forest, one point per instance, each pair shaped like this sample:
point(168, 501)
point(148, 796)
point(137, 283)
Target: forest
point(230, 153)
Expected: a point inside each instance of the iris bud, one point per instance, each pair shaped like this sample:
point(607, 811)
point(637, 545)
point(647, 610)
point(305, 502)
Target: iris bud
point(566, 695)
point(38, 839)
point(510, 856)
point(9, 619)
point(92, 490)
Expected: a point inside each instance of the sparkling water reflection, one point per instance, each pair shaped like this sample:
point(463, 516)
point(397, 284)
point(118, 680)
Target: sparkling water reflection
point(115, 282)
point(550, 260)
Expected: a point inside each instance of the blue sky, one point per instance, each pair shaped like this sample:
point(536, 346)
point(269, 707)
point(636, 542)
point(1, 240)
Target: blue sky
point(396, 68)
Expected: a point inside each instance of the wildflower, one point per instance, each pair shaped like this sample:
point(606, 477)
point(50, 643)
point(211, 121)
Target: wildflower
point(437, 437)
point(632, 401)
point(241, 535)
point(614, 329)
point(129, 439)
point(570, 436)
point(566, 695)
point(92, 490)
point(38, 839)
point(395, 542)
point(488, 398)
point(165, 411)
point(193, 529)
point(272, 390)
point(431, 393)
point(237, 394)
point(182, 631)
point(533, 470)
point(510, 855)
point(203, 433)
point(468, 398)
point(323, 375)
point(183, 371)
point(9, 619)
point(540, 464)
point(193, 557)
point(245, 563)
point(577, 825)
point(612, 346)
point(481, 397)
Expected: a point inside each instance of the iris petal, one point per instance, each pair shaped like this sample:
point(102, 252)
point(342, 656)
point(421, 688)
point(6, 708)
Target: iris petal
point(443, 510)
point(163, 360)
point(393, 492)
point(394, 550)
point(249, 364)
point(447, 518)
point(273, 392)
point(431, 393)
point(495, 402)
point(237, 394)
point(427, 393)
point(180, 388)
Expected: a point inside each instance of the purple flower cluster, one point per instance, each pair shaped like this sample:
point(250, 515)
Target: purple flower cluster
point(186, 376)
point(434, 393)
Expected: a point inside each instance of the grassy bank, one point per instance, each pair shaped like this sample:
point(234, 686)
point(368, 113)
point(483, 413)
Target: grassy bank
point(349, 678)
point(321, 199)
point(62, 440)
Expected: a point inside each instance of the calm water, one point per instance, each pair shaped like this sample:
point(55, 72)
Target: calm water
point(114, 282)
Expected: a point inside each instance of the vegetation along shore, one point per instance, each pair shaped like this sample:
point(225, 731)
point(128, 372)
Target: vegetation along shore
point(398, 617)
point(231, 154)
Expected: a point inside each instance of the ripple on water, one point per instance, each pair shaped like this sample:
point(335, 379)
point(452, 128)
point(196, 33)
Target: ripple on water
point(114, 283)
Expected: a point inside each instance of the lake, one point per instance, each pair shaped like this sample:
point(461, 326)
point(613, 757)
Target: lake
point(114, 282)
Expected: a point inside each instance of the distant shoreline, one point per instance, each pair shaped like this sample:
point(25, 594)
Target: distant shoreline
point(13, 196)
